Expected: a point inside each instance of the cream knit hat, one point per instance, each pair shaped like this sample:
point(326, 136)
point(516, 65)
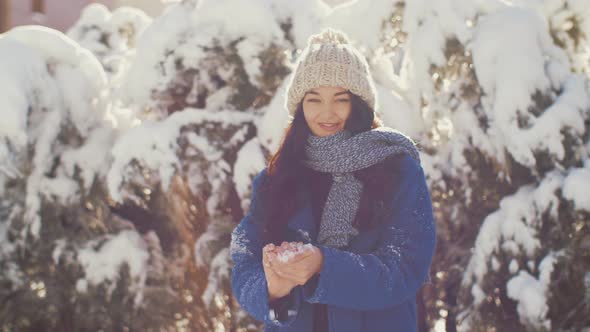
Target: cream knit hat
point(330, 60)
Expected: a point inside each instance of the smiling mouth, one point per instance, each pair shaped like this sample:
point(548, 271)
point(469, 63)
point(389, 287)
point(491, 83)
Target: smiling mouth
point(328, 126)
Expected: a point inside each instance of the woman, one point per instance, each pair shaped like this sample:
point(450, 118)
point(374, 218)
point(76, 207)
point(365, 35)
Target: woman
point(348, 188)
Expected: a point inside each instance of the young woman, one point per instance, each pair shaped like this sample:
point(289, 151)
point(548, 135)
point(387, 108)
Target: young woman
point(340, 234)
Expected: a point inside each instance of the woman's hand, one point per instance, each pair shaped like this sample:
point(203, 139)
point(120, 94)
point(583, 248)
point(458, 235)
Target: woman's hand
point(299, 268)
point(277, 286)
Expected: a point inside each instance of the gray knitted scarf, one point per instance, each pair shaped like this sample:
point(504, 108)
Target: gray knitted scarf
point(341, 154)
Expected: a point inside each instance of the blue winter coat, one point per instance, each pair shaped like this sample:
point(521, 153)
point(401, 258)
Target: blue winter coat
point(370, 285)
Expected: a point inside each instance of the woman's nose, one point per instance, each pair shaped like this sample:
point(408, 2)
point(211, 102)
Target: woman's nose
point(328, 107)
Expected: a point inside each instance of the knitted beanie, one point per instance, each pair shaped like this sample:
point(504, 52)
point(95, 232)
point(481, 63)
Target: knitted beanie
point(330, 60)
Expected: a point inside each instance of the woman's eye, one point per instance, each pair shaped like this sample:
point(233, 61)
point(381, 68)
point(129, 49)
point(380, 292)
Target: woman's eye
point(313, 100)
point(343, 100)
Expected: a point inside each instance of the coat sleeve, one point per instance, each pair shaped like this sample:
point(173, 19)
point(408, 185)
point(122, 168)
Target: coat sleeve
point(248, 280)
point(396, 270)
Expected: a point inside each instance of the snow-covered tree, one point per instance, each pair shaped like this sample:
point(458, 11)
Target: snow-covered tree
point(203, 55)
point(506, 150)
point(61, 256)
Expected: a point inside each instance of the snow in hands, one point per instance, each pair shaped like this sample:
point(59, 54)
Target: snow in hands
point(288, 250)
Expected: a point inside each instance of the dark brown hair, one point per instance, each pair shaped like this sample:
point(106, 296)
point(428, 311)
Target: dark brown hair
point(286, 173)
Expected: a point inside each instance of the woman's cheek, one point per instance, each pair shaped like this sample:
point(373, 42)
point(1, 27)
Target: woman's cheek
point(344, 111)
point(313, 111)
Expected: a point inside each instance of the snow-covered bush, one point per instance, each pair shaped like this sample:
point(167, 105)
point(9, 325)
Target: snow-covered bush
point(506, 123)
point(111, 37)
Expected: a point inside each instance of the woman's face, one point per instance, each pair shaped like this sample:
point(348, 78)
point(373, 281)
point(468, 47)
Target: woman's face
point(326, 109)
